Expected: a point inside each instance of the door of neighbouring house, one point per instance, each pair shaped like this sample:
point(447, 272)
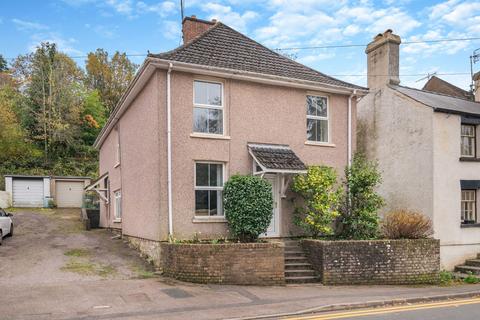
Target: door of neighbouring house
point(274, 227)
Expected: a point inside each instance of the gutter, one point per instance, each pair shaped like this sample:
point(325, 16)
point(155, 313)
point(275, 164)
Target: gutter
point(349, 130)
point(169, 150)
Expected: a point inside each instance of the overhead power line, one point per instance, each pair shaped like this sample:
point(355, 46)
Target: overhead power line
point(364, 45)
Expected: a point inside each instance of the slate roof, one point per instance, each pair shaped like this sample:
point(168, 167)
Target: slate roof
point(441, 102)
point(223, 47)
point(435, 84)
point(276, 157)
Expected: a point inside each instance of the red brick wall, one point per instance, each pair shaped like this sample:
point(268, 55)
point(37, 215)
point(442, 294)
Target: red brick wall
point(232, 263)
point(193, 27)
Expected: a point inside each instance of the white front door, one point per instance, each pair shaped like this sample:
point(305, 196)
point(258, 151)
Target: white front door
point(274, 227)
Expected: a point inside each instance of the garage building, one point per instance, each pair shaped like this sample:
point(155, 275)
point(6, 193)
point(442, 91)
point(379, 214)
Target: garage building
point(38, 191)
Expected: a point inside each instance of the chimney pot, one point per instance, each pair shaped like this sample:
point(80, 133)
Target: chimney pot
point(194, 16)
point(214, 20)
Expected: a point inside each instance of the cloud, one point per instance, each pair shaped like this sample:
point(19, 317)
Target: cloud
point(429, 49)
point(64, 45)
point(108, 32)
point(314, 58)
point(161, 8)
point(225, 14)
point(465, 15)
point(171, 30)
point(24, 25)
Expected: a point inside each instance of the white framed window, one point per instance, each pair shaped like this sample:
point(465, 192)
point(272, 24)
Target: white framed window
point(468, 140)
point(469, 206)
point(118, 205)
point(208, 107)
point(317, 119)
point(209, 179)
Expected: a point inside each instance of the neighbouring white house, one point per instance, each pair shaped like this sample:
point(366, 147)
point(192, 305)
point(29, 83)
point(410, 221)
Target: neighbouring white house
point(427, 148)
point(37, 191)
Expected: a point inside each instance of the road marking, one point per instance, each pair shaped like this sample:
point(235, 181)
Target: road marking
point(367, 312)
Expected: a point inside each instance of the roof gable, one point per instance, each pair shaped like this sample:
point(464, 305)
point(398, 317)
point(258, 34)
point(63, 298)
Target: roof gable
point(435, 84)
point(223, 47)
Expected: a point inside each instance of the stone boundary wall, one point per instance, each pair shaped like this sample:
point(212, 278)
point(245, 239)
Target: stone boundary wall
point(230, 263)
point(375, 262)
point(149, 249)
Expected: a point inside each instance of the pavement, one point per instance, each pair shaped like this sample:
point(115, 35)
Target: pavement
point(52, 269)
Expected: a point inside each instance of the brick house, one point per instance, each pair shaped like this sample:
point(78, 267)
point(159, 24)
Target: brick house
point(219, 104)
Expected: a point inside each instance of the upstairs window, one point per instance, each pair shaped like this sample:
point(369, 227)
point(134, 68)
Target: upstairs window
point(208, 189)
point(468, 141)
point(208, 107)
point(469, 207)
point(317, 119)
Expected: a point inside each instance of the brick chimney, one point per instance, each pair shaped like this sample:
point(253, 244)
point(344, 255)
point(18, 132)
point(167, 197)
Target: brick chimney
point(193, 27)
point(476, 86)
point(383, 60)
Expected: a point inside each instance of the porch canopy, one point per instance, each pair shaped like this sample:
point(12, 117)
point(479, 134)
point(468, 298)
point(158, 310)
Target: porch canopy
point(277, 159)
point(100, 186)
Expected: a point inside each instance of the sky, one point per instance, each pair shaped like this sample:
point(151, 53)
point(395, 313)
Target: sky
point(136, 27)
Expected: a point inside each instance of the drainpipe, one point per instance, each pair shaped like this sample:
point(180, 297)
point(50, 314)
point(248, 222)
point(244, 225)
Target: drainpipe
point(349, 134)
point(169, 151)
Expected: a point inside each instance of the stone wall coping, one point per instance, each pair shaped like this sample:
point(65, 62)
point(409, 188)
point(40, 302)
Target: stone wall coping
point(371, 241)
point(229, 244)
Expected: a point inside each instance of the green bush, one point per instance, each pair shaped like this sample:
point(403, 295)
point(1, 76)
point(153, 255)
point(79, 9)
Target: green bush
point(446, 278)
point(248, 204)
point(320, 198)
point(359, 219)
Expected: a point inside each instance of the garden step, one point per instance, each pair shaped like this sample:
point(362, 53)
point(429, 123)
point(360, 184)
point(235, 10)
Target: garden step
point(305, 279)
point(466, 269)
point(294, 254)
point(299, 273)
point(473, 262)
point(297, 266)
point(295, 259)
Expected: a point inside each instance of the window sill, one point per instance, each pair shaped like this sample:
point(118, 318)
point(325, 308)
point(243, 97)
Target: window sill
point(320, 144)
point(209, 136)
point(209, 220)
point(469, 159)
point(117, 165)
point(117, 220)
point(470, 225)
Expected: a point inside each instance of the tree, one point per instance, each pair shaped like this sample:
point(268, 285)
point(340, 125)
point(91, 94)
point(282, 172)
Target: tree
point(13, 140)
point(53, 87)
point(359, 218)
point(110, 77)
point(320, 199)
point(3, 64)
point(93, 117)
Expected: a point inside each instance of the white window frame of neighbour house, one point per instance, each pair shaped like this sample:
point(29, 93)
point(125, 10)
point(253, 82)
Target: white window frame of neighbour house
point(117, 150)
point(318, 118)
point(209, 107)
point(469, 206)
point(117, 200)
point(472, 139)
point(209, 188)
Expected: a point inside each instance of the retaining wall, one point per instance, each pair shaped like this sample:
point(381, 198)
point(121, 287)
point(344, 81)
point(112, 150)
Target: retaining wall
point(230, 263)
point(376, 261)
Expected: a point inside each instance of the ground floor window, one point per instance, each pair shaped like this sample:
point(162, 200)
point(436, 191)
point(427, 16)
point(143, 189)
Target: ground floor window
point(209, 189)
point(118, 205)
point(469, 207)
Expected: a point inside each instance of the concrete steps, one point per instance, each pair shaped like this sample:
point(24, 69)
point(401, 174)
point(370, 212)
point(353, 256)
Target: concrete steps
point(471, 266)
point(297, 267)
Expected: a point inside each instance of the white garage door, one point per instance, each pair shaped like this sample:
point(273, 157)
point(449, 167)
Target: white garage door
point(69, 194)
point(27, 192)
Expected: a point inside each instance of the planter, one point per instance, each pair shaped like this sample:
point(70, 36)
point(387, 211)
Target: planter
point(375, 262)
point(230, 263)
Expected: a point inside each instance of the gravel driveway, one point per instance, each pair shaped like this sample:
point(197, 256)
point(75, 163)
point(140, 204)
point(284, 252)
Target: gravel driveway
point(50, 245)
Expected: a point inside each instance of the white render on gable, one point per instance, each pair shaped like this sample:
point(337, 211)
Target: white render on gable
point(418, 151)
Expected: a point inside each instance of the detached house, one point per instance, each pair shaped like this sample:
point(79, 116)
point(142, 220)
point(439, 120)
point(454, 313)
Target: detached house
point(218, 105)
point(427, 147)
